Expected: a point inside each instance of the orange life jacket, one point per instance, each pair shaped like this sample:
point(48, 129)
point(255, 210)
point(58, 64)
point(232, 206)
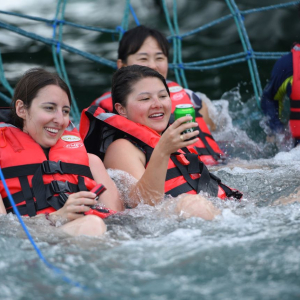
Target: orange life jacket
point(186, 172)
point(295, 94)
point(38, 184)
point(206, 146)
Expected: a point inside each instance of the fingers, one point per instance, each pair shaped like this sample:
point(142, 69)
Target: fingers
point(184, 125)
point(189, 137)
point(186, 120)
point(82, 198)
point(79, 203)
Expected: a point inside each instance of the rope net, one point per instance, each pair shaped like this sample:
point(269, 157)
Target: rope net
point(248, 55)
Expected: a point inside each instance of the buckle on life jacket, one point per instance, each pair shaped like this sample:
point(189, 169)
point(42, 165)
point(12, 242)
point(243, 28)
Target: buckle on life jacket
point(58, 187)
point(51, 167)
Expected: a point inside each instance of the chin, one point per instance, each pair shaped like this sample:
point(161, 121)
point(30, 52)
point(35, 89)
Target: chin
point(48, 144)
point(159, 130)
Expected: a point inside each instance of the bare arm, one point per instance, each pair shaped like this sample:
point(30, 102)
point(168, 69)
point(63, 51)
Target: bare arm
point(111, 197)
point(2, 207)
point(123, 155)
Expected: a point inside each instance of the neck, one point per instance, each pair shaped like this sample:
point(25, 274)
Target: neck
point(46, 151)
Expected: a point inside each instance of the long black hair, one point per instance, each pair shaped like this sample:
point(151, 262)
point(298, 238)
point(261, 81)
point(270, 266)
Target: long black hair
point(134, 38)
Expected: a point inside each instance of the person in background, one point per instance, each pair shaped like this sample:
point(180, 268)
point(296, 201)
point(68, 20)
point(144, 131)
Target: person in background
point(149, 47)
point(44, 162)
point(139, 140)
point(284, 82)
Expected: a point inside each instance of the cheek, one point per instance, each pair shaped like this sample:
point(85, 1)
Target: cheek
point(136, 112)
point(67, 122)
point(163, 67)
point(168, 105)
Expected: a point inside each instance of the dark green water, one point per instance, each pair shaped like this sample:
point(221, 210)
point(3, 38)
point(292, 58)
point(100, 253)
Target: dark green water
point(274, 30)
point(252, 251)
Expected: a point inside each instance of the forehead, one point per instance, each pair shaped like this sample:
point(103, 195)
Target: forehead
point(148, 85)
point(150, 45)
point(52, 93)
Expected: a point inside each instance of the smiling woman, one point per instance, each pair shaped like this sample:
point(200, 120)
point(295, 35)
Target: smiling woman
point(46, 166)
point(148, 103)
point(47, 117)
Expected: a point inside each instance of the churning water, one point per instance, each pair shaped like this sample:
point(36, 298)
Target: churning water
point(251, 251)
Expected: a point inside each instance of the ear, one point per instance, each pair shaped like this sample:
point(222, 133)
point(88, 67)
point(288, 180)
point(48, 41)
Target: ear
point(20, 109)
point(120, 64)
point(121, 110)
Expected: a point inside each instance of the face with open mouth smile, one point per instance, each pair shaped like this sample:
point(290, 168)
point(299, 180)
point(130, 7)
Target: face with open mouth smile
point(47, 117)
point(148, 104)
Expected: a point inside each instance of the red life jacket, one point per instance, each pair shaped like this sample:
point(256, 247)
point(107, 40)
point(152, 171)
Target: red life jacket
point(206, 146)
point(186, 172)
point(38, 185)
point(295, 94)
point(105, 101)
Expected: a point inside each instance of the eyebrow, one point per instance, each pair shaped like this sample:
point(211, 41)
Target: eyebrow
point(144, 53)
point(53, 103)
point(148, 93)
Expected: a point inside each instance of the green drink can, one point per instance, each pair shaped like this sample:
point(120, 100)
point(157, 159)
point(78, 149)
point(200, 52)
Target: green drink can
point(183, 110)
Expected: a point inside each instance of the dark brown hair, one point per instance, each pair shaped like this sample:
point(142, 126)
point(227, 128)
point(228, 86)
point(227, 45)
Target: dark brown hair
point(28, 87)
point(126, 77)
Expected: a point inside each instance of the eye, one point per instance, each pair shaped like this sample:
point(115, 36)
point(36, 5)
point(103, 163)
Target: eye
point(143, 59)
point(145, 99)
point(66, 112)
point(163, 96)
point(49, 108)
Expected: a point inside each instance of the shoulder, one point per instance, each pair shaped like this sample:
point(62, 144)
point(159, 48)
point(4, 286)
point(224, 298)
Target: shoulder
point(123, 155)
point(122, 148)
point(284, 64)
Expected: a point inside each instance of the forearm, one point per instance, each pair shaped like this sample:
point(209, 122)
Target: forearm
point(150, 187)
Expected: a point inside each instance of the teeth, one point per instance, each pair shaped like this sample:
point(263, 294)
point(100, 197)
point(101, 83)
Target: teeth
point(156, 115)
point(52, 130)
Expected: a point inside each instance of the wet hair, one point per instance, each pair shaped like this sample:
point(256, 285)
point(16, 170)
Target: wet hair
point(28, 87)
point(134, 38)
point(124, 79)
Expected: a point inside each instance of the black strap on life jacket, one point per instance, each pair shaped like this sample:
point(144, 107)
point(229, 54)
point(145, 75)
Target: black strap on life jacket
point(203, 137)
point(44, 194)
point(207, 182)
point(295, 115)
point(294, 103)
point(204, 183)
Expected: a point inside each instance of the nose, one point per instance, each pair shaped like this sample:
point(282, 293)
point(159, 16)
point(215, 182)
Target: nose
point(59, 117)
point(152, 65)
point(156, 102)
